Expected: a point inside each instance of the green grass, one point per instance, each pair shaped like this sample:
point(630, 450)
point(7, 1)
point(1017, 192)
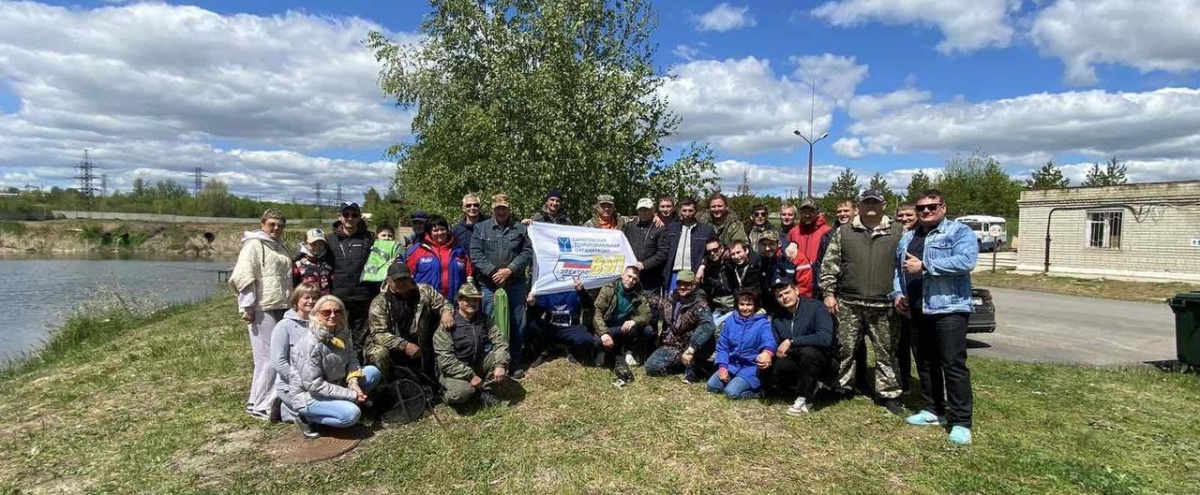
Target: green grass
point(158, 409)
point(1108, 289)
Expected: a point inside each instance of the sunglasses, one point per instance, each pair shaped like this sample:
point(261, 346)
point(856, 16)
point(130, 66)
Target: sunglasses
point(929, 207)
point(330, 312)
point(471, 205)
point(276, 225)
point(760, 213)
point(351, 214)
point(714, 250)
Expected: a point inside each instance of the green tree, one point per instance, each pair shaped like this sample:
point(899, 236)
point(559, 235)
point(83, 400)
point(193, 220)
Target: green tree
point(520, 97)
point(978, 185)
point(920, 182)
point(879, 183)
point(214, 199)
point(1113, 174)
point(1047, 177)
point(845, 186)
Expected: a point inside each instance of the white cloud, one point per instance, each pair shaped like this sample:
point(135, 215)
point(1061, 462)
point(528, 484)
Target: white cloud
point(965, 25)
point(1145, 34)
point(742, 106)
point(834, 75)
point(725, 17)
point(687, 52)
point(155, 86)
point(864, 106)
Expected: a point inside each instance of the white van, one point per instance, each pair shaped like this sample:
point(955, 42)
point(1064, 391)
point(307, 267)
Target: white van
point(983, 226)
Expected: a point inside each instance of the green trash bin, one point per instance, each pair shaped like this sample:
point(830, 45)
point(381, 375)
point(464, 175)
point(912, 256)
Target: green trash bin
point(1186, 306)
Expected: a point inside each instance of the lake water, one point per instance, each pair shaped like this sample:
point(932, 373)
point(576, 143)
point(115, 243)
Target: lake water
point(43, 291)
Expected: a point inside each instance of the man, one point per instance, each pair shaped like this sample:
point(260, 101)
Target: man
point(605, 216)
point(350, 245)
point(472, 216)
point(906, 214)
point(622, 321)
point(688, 332)
point(804, 341)
point(403, 319)
point(687, 238)
point(759, 224)
point(842, 213)
point(804, 249)
point(472, 356)
point(856, 278)
point(717, 286)
point(787, 220)
point(649, 245)
point(559, 318)
point(771, 264)
point(728, 229)
point(743, 269)
point(501, 252)
point(552, 210)
point(666, 211)
point(419, 220)
point(933, 285)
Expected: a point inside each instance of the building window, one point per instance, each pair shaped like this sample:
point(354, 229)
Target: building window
point(1104, 229)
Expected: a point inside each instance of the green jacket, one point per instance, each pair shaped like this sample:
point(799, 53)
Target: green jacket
point(606, 308)
point(460, 351)
point(859, 263)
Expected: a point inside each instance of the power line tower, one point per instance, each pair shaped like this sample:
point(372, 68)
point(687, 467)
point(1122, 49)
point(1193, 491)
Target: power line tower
point(87, 178)
point(318, 188)
point(339, 195)
point(103, 185)
point(197, 181)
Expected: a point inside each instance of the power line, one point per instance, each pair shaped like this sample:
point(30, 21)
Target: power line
point(103, 185)
point(198, 181)
point(87, 177)
point(318, 188)
point(339, 194)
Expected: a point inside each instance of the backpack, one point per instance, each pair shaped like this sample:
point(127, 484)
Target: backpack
point(383, 254)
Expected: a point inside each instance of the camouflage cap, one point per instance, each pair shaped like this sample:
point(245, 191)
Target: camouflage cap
point(810, 203)
point(769, 235)
point(499, 200)
point(686, 276)
point(604, 198)
point(469, 291)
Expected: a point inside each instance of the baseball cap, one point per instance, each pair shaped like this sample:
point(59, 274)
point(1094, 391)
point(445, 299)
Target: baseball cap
point(314, 235)
point(810, 203)
point(872, 194)
point(604, 198)
point(500, 200)
point(769, 235)
point(645, 203)
point(347, 206)
point(398, 271)
point(469, 291)
point(686, 276)
point(419, 215)
point(780, 280)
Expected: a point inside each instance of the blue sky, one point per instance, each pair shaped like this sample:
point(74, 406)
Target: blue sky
point(273, 97)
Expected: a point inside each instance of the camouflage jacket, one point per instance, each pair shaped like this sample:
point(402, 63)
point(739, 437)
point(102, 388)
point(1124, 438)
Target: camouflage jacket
point(426, 317)
point(682, 318)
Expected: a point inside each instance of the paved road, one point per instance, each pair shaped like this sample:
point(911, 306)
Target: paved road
point(1035, 326)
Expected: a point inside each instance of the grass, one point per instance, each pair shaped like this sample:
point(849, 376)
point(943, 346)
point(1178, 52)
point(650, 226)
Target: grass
point(158, 409)
point(1107, 289)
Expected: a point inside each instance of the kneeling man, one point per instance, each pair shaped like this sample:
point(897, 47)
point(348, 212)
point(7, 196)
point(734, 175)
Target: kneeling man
point(472, 355)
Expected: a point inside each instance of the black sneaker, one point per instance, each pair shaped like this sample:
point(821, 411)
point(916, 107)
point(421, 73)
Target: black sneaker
point(893, 406)
point(518, 374)
point(488, 399)
point(307, 430)
point(623, 372)
point(541, 359)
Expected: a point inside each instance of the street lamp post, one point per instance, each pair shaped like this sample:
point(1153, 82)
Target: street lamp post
point(810, 142)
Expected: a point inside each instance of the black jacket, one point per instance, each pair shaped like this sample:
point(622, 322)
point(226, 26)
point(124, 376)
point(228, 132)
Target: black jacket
point(350, 255)
point(809, 326)
point(545, 217)
point(462, 232)
point(748, 275)
point(650, 245)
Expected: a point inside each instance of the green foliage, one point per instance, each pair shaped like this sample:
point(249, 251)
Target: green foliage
point(1047, 177)
point(879, 183)
point(8, 227)
point(920, 182)
point(1113, 174)
point(521, 97)
point(845, 186)
point(978, 185)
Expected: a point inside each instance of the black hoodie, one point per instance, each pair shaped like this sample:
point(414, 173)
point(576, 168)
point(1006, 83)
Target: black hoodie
point(350, 253)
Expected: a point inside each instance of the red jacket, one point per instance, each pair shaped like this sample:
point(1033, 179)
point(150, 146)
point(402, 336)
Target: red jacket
point(445, 267)
point(808, 253)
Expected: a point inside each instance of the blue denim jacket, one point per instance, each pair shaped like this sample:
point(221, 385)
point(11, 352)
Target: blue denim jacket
point(950, 252)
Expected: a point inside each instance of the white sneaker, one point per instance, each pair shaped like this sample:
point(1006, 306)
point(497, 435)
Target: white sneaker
point(629, 359)
point(799, 407)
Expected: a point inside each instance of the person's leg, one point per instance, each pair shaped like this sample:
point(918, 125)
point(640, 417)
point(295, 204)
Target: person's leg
point(883, 337)
point(849, 333)
point(705, 343)
point(785, 374)
point(715, 385)
point(738, 388)
point(489, 299)
point(371, 378)
point(663, 361)
point(904, 351)
point(929, 366)
point(379, 357)
point(456, 391)
point(812, 365)
point(334, 413)
point(516, 317)
point(719, 317)
point(262, 385)
point(579, 340)
point(356, 317)
point(951, 335)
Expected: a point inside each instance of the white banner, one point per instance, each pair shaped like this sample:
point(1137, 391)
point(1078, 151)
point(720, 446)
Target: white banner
point(562, 253)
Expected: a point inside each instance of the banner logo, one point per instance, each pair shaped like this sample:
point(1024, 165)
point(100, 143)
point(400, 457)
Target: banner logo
point(564, 244)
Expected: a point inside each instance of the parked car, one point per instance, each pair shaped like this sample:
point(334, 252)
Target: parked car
point(983, 312)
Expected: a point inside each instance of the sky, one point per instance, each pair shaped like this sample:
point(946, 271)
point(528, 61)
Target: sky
point(274, 97)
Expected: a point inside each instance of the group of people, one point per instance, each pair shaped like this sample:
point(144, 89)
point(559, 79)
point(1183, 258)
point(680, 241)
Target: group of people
point(749, 308)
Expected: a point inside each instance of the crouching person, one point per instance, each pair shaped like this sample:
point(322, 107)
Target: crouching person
point(332, 385)
point(472, 355)
point(803, 334)
point(687, 332)
point(622, 321)
point(746, 346)
point(558, 318)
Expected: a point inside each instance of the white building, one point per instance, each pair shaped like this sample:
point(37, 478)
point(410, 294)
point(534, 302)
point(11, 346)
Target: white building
point(1134, 231)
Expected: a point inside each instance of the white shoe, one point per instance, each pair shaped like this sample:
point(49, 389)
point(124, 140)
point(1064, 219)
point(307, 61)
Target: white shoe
point(799, 407)
point(629, 359)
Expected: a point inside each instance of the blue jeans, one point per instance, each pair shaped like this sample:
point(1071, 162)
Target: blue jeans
point(516, 291)
point(340, 413)
point(719, 317)
point(737, 388)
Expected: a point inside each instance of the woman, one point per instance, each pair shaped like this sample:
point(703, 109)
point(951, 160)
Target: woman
point(332, 385)
point(284, 337)
point(438, 260)
point(746, 346)
point(262, 278)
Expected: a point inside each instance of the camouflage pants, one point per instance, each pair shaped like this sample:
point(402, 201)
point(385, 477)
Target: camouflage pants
point(460, 391)
point(878, 324)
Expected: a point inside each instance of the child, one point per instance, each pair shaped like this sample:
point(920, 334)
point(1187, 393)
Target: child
point(386, 233)
point(746, 345)
point(314, 264)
